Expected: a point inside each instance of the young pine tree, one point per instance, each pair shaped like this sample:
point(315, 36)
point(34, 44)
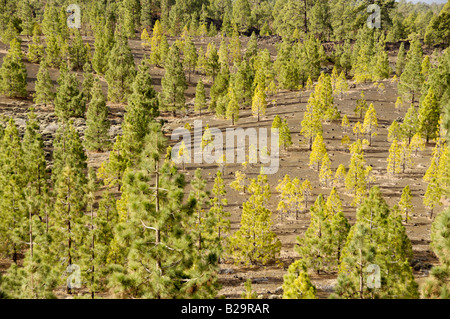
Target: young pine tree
point(200, 97)
point(121, 71)
point(254, 242)
point(297, 284)
point(13, 73)
point(173, 83)
point(96, 136)
point(44, 86)
point(405, 204)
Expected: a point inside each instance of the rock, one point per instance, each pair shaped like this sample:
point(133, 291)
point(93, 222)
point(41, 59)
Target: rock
point(279, 290)
point(274, 297)
point(226, 271)
point(50, 129)
point(255, 280)
point(115, 130)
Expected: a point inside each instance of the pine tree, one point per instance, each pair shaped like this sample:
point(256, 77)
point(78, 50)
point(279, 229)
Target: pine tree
point(160, 241)
point(405, 204)
point(53, 54)
point(339, 177)
point(259, 103)
point(356, 176)
point(13, 73)
point(412, 79)
point(429, 116)
point(249, 293)
point(325, 173)
point(142, 108)
point(394, 159)
point(318, 151)
point(36, 48)
point(410, 123)
point(121, 71)
point(190, 57)
point(103, 44)
point(370, 123)
point(68, 215)
point(405, 155)
point(239, 183)
point(96, 136)
point(200, 97)
point(254, 241)
point(112, 171)
point(296, 283)
point(235, 47)
point(394, 131)
point(13, 212)
point(212, 65)
point(78, 52)
point(232, 110)
point(361, 105)
point(88, 83)
point(438, 286)
point(173, 83)
point(69, 101)
point(338, 233)
point(381, 69)
point(417, 143)
point(285, 135)
point(341, 85)
point(398, 103)
point(311, 124)
point(432, 196)
point(379, 238)
point(312, 248)
point(401, 60)
point(219, 200)
point(44, 86)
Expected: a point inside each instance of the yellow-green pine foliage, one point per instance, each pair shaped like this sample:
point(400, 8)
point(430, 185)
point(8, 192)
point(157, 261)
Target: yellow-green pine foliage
point(296, 283)
point(356, 174)
point(36, 48)
point(405, 155)
point(339, 177)
point(259, 103)
point(394, 159)
point(317, 152)
point(429, 112)
point(417, 143)
point(311, 124)
point(341, 85)
point(239, 183)
point(345, 124)
point(358, 129)
point(438, 286)
point(307, 191)
point(313, 247)
point(334, 204)
point(361, 105)
point(219, 200)
point(379, 238)
point(398, 103)
point(249, 293)
point(405, 204)
point(394, 131)
point(200, 97)
point(291, 196)
point(325, 173)
point(285, 135)
point(232, 111)
point(410, 123)
point(13, 73)
point(254, 242)
point(370, 123)
point(155, 42)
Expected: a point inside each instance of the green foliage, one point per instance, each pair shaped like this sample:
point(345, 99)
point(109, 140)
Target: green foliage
point(69, 101)
point(13, 74)
point(96, 136)
point(296, 283)
point(378, 238)
point(173, 83)
point(44, 86)
point(254, 242)
point(121, 71)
